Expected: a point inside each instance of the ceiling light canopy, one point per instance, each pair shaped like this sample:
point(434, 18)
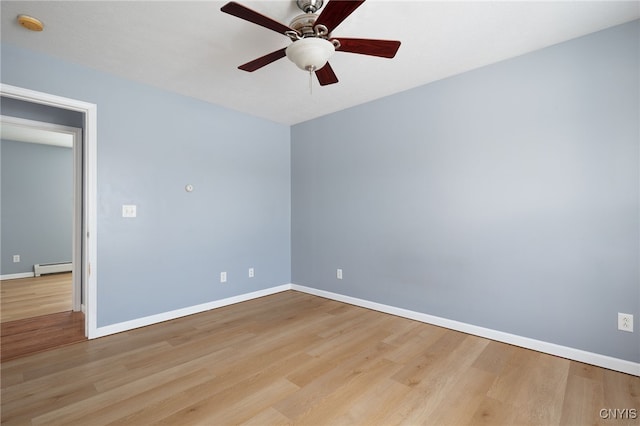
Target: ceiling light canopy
point(310, 53)
point(30, 23)
point(309, 6)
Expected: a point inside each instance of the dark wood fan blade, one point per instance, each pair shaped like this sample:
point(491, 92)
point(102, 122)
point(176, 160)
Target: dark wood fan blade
point(336, 11)
point(263, 60)
point(243, 12)
point(326, 75)
point(365, 46)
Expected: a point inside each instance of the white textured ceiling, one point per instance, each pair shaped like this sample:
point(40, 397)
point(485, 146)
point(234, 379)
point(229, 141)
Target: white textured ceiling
point(192, 48)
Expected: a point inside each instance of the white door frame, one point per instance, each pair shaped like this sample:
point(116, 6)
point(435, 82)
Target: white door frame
point(89, 207)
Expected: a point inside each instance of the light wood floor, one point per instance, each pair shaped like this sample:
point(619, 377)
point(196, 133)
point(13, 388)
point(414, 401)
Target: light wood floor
point(36, 315)
point(293, 358)
point(32, 297)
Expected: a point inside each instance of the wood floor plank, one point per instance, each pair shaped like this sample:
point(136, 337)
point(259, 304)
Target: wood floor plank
point(31, 297)
point(581, 409)
point(109, 406)
point(36, 315)
point(31, 335)
point(376, 404)
point(270, 416)
point(491, 412)
point(293, 358)
point(236, 405)
point(444, 366)
point(541, 397)
point(495, 357)
point(431, 358)
point(334, 405)
point(362, 357)
point(467, 391)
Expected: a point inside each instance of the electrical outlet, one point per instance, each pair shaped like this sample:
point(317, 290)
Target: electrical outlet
point(251, 273)
point(625, 322)
point(16, 258)
point(339, 274)
point(223, 277)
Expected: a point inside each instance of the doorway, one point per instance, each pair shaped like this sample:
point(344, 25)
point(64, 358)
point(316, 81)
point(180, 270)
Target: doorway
point(42, 173)
point(84, 229)
point(42, 221)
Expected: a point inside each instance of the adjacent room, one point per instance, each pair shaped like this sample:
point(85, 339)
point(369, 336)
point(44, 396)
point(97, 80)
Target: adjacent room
point(411, 212)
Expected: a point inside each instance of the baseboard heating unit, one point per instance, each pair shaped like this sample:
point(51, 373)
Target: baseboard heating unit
point(52, 268)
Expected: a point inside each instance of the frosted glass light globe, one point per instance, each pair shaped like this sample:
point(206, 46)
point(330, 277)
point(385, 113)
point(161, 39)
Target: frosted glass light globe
point(310, 54)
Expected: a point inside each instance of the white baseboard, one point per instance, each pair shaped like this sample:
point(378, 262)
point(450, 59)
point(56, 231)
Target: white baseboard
point(16, 276)
point(512, 339)
point(166, 316)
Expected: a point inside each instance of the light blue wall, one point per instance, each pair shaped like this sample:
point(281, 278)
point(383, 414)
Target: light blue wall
point(37, 205)
point(505, 197)
point(152, 143)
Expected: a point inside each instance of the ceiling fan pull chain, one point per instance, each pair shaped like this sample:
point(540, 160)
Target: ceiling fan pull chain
point(310, 81)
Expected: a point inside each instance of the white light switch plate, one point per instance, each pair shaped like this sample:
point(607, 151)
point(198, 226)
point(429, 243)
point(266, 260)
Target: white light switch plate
point(128, 210)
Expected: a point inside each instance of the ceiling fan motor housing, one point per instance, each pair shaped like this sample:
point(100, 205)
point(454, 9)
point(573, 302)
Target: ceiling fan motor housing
point(303, 24)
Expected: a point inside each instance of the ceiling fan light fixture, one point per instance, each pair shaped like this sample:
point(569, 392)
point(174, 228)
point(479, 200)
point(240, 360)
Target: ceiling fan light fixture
point(310, 54)
point(311, 41)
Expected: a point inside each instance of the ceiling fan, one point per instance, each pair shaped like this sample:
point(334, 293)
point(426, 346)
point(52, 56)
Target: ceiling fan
point(312, 42)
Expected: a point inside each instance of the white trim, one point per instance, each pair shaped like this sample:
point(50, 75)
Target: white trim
point(33, 130)
point(89, 200)
point(16, 276)
point(78, 208)
point(166, 316)
point(90, 234)
point(512, 339)
point(52, 268)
